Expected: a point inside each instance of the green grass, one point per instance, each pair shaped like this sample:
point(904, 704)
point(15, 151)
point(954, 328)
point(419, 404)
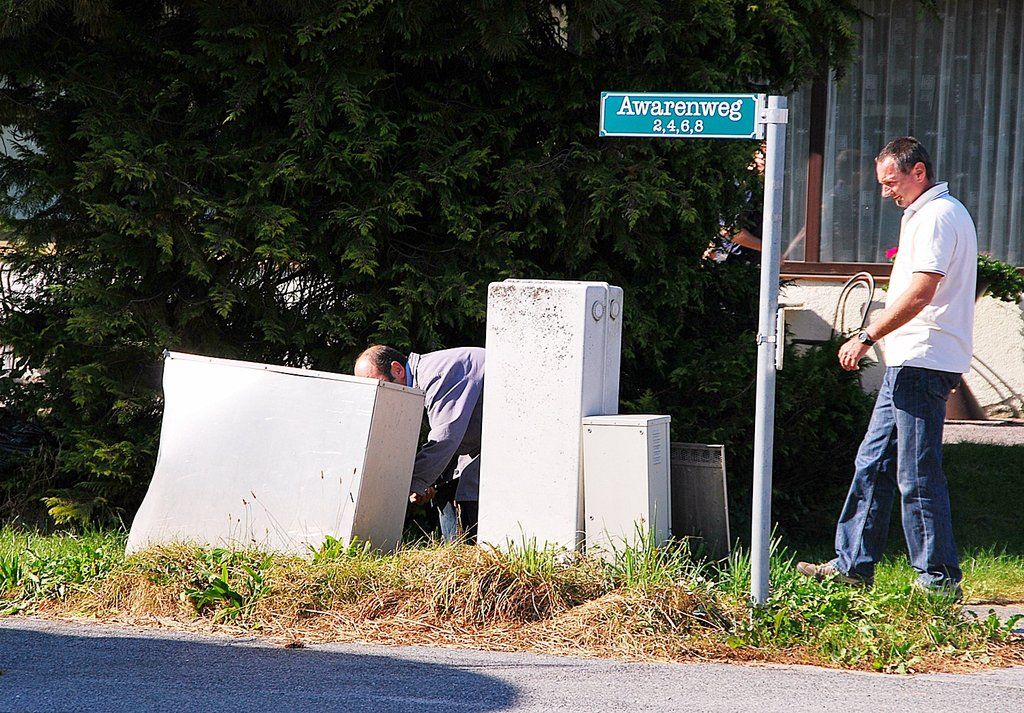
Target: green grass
point(986, 489)
point(41, 567)
point(890, 626)
point(986, 485)
point(993, 577)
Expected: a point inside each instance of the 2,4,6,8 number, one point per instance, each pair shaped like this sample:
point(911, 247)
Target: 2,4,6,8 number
point(683, 127)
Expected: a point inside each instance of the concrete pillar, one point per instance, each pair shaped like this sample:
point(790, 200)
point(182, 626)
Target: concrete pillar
point(553, 354)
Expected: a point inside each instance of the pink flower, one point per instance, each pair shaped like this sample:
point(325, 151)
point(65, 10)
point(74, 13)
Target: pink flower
point(891, 253)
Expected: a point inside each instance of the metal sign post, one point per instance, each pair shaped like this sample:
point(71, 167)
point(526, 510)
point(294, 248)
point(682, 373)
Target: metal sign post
point(731, 116)
point(775, 118)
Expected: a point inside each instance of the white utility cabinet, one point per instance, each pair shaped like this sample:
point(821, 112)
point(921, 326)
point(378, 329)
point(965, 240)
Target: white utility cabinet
point(627, 478)
point(277, 458)
point(553, 351)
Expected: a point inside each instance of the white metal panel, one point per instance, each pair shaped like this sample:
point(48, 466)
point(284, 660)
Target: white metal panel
point(383, 493)
point(273, 457)
point(550, 361)
point(626, 419)
point(613, 353)
point(626, 470)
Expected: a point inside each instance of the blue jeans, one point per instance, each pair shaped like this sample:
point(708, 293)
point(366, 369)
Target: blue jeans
point(902, 449)
point(458, 519)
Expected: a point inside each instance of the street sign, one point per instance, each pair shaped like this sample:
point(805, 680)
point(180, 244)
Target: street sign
point(692, 116)
point(731, 116)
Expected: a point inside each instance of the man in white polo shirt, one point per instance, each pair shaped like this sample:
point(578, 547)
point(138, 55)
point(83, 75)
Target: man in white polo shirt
point(926, 328)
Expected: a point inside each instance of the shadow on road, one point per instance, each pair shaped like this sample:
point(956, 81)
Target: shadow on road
point(51, 671)
point(62, 666)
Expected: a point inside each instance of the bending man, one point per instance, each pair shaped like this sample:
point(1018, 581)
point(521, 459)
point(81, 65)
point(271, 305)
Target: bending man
point(447, 468)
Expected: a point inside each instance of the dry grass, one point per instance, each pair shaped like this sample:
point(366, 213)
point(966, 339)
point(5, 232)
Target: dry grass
point(659, 607)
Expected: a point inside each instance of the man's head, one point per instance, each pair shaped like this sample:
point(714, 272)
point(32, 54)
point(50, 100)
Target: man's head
point(382, 363)
point(904, 170)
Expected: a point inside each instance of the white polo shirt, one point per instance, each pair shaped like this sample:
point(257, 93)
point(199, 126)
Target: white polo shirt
point(936, 235)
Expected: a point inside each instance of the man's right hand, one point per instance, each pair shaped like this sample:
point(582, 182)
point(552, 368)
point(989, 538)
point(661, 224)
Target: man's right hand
point(850, 354)
point(423, 498)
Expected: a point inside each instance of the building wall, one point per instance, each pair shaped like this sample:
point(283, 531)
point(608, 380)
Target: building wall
point(997, 371)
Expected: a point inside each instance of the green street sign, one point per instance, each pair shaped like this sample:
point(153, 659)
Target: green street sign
point(682, 116)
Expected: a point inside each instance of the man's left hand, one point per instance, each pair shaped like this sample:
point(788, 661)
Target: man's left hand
point(851, 353)
point(422, 498)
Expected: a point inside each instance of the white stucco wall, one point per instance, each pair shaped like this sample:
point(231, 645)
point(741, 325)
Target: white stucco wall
point(997, 370)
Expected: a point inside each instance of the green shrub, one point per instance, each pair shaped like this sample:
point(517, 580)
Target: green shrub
point(821, 410)
point(1002, 280)
point(287, 182)
point(822, 415)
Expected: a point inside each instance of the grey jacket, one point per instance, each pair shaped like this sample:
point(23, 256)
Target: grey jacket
point(453, 380)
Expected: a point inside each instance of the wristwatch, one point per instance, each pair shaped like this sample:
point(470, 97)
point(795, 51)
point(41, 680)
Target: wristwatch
point(864, 338)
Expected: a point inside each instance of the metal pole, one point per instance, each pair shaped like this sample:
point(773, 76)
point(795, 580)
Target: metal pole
point(775, 118)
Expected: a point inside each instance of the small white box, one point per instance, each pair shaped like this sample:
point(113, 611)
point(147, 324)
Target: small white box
point(626, 481)
point(553, 351)
point(277, 458)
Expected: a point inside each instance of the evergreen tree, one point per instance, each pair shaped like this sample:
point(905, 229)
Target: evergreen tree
point(288, 182)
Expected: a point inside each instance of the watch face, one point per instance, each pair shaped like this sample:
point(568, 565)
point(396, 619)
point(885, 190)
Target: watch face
point(863, 337)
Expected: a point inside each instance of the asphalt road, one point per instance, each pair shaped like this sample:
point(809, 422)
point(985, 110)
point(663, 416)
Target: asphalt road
point(56, 666)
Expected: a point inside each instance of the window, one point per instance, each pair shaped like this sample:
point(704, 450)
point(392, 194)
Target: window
point(956, 82)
